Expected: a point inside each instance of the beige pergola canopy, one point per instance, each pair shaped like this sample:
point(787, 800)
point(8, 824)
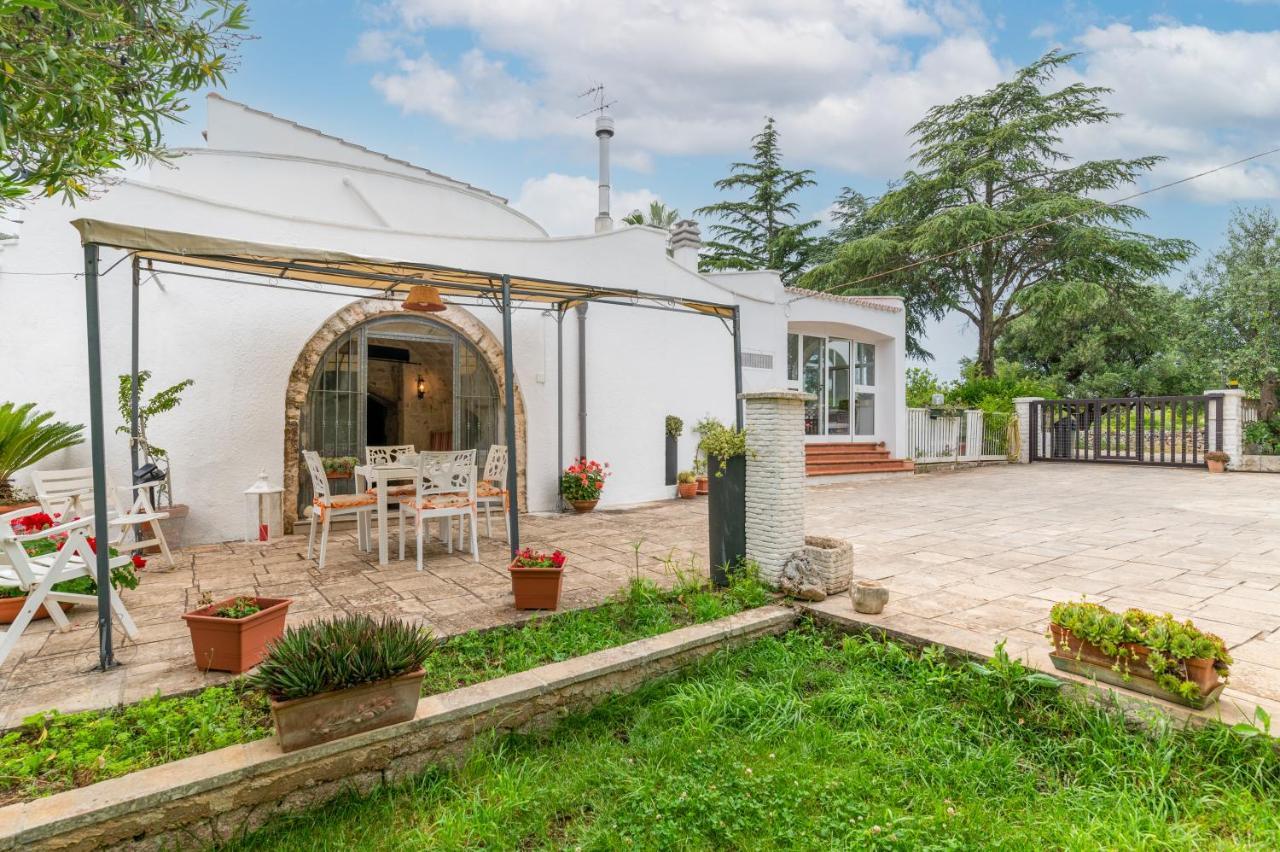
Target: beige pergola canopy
point(340, 269)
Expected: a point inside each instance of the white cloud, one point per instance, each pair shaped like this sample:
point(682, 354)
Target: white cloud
point(698, 78)
point(1198, 96)
point(566, 204)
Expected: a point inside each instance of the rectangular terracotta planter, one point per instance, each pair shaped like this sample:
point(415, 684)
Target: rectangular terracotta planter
point(302, 722)
point(536, 588)
point(235, 644)
point(10, 607)
point(1088, 660)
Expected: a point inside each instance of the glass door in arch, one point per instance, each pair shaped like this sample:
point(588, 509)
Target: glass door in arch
point(841, 375)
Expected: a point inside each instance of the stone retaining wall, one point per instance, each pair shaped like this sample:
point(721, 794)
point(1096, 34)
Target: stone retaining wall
point(214, 797)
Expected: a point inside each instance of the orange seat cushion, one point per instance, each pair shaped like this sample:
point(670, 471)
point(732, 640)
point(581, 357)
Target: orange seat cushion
point(443, 501)
point(488, 489)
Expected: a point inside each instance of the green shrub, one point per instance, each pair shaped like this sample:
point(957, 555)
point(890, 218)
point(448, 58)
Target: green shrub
point(340, 653)
point(675, 426)
point(1263, 437)
point(26, 437)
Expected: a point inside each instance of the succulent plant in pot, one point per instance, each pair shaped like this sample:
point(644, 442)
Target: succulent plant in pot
point(337, 677)
point(232, 635)
point(686, 484)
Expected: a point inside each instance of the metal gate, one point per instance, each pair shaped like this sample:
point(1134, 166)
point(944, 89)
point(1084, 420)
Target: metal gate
point(1155, 430)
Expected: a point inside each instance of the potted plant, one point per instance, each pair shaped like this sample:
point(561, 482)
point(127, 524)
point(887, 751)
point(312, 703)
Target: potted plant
point(232, 635)
point(336, 677)
point(26, 437)
point(726, 450)
point(686, 485)
point(582, 482)
point(339, 467)
point(1153, 654)
point(701, 429)
point(155, 460)
point(1217, 461)
point(13, 598)
point(536, 579)
point(674, 428)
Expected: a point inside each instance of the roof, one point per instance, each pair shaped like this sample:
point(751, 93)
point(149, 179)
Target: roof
point(340, 269)
point(357, 147)
point(888, 304)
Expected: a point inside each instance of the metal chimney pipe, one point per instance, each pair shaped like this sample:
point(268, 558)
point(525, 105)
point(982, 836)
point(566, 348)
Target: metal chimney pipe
point(604, 132)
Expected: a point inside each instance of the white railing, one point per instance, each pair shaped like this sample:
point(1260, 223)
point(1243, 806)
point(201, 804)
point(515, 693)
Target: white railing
point(971, 435)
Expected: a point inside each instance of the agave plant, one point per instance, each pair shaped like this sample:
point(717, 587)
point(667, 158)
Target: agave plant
point(342, 652)
point(26, 437)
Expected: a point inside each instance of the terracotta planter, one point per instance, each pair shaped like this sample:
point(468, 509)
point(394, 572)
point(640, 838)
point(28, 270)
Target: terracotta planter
point(302, 722)
point(581, 506)
point(337, 474)
point(536, 588)
point(13, 507)
point(1085, 658)
point(10, 607)
point(702, 485)
point(235, 644)
point(686, 490)
point(1216, 466)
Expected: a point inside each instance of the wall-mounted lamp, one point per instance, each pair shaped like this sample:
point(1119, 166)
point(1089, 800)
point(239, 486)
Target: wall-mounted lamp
point(422, 387)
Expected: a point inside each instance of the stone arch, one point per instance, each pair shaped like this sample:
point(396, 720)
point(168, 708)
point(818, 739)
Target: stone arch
point(458, 319)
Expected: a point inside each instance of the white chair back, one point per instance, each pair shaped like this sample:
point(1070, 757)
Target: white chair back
point(319, 482)
point(446, 473)
point(390, 454)
point(495, 465)
point(61, 490)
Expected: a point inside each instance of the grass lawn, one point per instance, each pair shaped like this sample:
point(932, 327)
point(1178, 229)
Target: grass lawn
point(819, 741)
point(54, 752)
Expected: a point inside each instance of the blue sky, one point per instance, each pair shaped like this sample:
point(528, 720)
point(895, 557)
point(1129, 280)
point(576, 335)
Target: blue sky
point(485, 91)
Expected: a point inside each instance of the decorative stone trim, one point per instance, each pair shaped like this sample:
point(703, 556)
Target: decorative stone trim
point(342, 321)
point(214, 797)
point(775, 479)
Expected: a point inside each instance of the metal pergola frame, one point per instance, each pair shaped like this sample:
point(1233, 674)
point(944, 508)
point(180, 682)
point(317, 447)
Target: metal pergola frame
point(372, 277)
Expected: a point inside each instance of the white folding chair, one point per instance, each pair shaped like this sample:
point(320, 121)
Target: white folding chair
point(37, 575)
point(325, 506)
point(69, 494)
point(445, 488)
point(491, 490)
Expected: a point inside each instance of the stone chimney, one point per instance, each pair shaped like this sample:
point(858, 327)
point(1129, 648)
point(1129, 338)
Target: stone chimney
point(685, 243)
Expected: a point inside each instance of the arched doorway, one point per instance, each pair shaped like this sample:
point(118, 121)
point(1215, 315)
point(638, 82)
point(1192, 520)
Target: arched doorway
point(375, 375)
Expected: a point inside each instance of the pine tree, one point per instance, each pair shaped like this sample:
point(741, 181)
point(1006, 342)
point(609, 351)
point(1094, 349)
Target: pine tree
point(996, 210)
point(760, 231)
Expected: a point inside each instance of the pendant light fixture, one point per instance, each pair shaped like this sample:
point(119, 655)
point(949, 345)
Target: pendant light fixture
point(425, 298)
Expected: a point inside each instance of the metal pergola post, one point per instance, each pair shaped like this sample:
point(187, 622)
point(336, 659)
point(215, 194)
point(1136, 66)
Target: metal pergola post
point(560, 311)
point(737, 367)
point(97, 442)
point(509, 391)
point(133, 374)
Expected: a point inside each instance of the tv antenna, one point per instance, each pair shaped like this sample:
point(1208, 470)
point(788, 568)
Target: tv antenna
point(596, 93)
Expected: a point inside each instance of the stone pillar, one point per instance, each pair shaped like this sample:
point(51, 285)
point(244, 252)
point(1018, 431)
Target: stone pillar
point(775, 478)
point(1232, 425)
point(1022, 406)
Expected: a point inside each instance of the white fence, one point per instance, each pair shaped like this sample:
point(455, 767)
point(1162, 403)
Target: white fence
point(933, 436)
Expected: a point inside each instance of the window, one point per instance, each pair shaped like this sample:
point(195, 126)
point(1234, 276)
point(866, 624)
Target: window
point(864, 414)
point(793, 357)
point(865, 369)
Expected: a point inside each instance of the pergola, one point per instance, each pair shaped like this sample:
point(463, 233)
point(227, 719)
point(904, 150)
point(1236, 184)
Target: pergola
point(333, 273)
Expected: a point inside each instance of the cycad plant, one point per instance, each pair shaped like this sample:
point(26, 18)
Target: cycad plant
point(26, 437)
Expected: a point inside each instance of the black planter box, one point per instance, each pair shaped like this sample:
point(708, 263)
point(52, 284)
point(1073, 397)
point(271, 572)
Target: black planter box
point(671, 459)
point(726, 514)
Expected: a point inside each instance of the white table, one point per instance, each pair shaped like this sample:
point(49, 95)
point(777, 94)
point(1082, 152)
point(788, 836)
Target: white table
point(380, 476)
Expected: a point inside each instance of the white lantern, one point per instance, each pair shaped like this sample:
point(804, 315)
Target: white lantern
point(263, 510)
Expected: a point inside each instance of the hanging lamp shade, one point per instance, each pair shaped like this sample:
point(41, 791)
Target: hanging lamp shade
point(423, 297)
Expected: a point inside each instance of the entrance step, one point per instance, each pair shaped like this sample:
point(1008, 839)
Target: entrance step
point(846, 458)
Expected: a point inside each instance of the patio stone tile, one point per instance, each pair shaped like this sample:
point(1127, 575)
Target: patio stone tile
point(1260, 651)
point(1158, 599)
point(995, 615)
point(1255, 621)
point(933, 604)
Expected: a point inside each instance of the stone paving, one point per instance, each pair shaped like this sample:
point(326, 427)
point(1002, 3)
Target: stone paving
point(969, 557)
point(976, 556)
point(454, 594)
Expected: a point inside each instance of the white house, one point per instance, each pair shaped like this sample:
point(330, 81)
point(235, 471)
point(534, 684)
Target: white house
point(278, 370)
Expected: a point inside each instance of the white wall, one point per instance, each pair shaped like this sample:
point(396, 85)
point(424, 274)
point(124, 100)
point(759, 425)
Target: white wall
point(239, 342)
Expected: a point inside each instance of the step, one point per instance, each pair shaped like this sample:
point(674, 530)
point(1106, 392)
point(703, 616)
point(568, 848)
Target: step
point(876, 466)
point(848, 455)
point(843, 447)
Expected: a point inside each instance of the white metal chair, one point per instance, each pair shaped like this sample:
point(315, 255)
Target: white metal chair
point(491, 490)
point(37, 575)
point(445, 488)
point(404, 453)
point(325, 506)
point(69, 494)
